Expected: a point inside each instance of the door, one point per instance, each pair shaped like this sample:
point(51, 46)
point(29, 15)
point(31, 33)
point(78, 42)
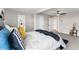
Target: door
point(53, 24)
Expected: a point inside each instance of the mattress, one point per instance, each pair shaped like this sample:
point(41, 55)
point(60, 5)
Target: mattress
point(73, 43)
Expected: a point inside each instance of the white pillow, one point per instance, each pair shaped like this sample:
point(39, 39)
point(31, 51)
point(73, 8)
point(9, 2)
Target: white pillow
point(10, 28)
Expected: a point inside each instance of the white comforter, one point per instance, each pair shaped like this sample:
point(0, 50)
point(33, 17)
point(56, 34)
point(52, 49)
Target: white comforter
point(36, 40)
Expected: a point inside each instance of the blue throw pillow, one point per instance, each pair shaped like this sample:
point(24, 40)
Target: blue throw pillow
point(4, 34)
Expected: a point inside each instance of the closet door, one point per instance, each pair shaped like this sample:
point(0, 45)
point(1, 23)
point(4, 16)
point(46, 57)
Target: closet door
point(53, 24)
point(40, 22)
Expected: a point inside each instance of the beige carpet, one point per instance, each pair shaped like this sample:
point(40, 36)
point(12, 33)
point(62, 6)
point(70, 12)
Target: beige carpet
point(73, 43)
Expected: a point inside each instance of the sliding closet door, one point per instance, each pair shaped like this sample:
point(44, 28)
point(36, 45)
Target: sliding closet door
point(53, 23)
point(40, 22)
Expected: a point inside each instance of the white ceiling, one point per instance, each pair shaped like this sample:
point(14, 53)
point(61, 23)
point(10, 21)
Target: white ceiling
point(47, 11)
point(53, 11)
point(27, 10)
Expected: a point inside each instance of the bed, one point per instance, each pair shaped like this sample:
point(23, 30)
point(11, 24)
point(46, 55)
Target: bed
point(44, 40)
point(73, 42)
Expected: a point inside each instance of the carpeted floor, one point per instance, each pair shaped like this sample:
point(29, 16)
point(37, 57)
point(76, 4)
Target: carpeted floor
point(73, 43)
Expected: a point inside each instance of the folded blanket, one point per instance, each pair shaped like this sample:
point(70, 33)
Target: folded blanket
point(55, 36)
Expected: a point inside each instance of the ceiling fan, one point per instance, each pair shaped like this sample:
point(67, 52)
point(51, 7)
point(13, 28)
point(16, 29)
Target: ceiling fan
point(60, 13)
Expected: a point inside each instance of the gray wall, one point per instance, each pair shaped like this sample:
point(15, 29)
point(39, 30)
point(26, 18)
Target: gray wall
point(11, 19)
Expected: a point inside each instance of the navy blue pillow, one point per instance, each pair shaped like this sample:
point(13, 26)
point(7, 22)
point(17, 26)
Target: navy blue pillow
point(4, 34)
point(65, 41)
point(15, 40)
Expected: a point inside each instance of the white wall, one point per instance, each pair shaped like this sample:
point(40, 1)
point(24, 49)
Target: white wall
point(42, 21)
point(66, 22)
point(32, 21)
point(11, 19)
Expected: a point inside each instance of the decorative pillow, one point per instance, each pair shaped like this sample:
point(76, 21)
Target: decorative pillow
point(15, 40)
point(8, 27)
point(65, 41)
point(4, 34)
point(22, 32)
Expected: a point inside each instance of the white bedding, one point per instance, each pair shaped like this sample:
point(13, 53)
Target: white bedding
point(35, 40)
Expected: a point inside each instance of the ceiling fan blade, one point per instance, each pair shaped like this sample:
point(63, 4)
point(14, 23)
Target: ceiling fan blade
point(63, 13)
